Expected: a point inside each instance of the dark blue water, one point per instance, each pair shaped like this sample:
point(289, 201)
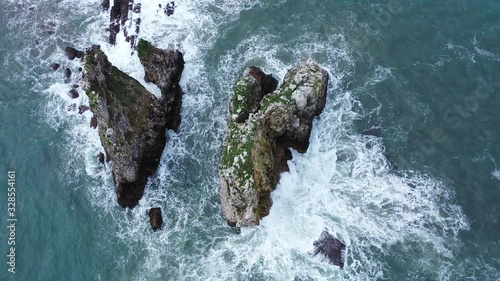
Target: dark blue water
point(425, 74)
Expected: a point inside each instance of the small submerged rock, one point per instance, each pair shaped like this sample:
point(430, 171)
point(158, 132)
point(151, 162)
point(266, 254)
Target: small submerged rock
point(55, 66)
point(67, 72)
point(393, 165)
point(83, 108)
point(71, 107)
point(118, 17)
point(376, 132)
point(73, 93)
point(164, 68)
point(330, 248)
point(155, 218)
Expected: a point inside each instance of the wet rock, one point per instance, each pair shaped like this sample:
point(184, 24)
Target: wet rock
point(256, 148)
point(83, 108)
point(105, 5)
point(71, 107)
point(131, 40)
point(169, 8)
point(76, 86)
point(331, 249)
point(131, 125)
point(55, 66)
point(73, 53)
point(93, 122)
point(155, 218)
point(73, 93)
point(118, 17)
point(137, 8)
point(376, 132)
point(100, 157)
point(67, 72)
point(164, 68)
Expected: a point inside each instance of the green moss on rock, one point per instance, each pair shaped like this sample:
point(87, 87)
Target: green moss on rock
point(131, 124)
point(260, 133)
point(144, 49)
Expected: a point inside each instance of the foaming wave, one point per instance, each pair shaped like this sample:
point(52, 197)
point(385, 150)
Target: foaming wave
point(339, 184)
point(374, 211)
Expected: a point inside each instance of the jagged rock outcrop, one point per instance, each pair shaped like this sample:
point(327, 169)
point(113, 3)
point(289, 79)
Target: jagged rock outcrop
point(330, 248)
point(121, 12)
point(105, 4)
point(73, 53)
point(118, 17)
point(164, 68)
point(256, 147)
point(131, 124)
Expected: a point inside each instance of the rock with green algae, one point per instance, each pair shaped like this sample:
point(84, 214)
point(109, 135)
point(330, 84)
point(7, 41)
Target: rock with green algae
point(256, 149)
point(164, 68)
point(131, 124)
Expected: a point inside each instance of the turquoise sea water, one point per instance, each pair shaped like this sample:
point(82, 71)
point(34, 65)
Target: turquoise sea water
point(425, 73)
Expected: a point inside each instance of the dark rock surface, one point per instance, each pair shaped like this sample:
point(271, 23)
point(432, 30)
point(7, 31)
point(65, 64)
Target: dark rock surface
point(83, 108)
point(55, 66)
point(73, 53)
point(164, 68)
point(105, 5)
point(155, 218)
point(118, 16)
point(93, 122)
point(331, 249)
point(67, 72)
point(73, 93)
point(131, 124)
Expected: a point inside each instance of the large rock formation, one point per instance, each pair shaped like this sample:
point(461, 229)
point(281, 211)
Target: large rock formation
point(131, 124)
point(260, 135)
point(164, 68)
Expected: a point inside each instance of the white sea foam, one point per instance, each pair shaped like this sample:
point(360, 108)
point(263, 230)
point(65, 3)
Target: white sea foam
point(496, 174)
point(339, 184)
